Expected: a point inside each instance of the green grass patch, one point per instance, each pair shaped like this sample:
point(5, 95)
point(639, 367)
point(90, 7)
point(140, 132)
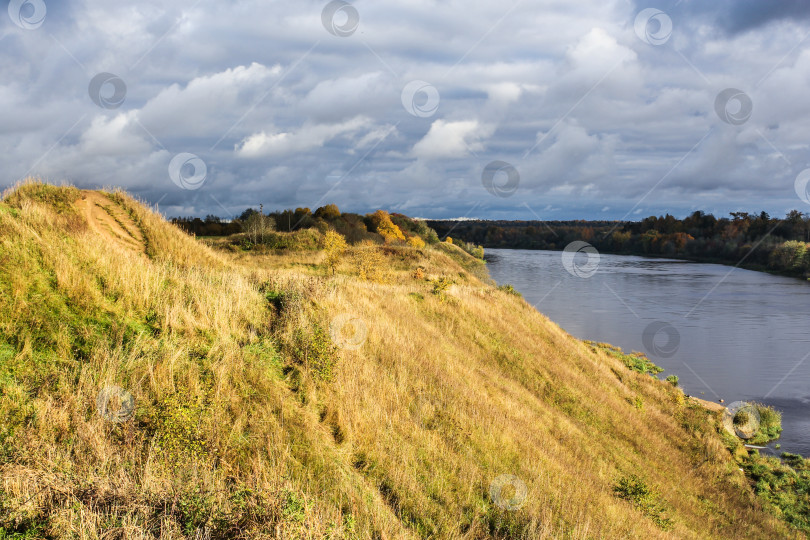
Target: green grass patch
point(783, 484)
point(313, 348)
point(635, 360)
point(646, 500)
point(509, 289)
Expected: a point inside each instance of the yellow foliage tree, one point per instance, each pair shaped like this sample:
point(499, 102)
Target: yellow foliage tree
point(334, 244)
point(386, 228)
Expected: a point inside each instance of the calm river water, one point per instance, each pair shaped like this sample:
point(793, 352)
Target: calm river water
point(727, 333)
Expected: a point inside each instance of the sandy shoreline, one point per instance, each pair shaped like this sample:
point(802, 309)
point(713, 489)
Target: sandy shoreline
point(711, 405)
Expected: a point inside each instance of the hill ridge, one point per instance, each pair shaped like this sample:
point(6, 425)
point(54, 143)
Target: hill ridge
point(274, 398)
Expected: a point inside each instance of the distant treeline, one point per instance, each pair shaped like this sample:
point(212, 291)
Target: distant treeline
point(210, 226)
point(758, 240)
point(259, 228)
point(285, 220)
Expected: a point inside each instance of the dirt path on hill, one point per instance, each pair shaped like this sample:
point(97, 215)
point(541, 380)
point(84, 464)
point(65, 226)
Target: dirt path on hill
point(111, 221)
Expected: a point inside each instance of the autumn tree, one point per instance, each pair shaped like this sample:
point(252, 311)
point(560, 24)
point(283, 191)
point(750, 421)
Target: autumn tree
point(334, 245)
point(680, 240)
point(328, 212)
point(381, 221)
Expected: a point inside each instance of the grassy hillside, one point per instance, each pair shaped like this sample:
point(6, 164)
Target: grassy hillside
point(152, 386)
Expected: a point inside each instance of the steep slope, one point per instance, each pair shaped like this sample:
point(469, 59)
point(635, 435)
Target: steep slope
point(153, 387)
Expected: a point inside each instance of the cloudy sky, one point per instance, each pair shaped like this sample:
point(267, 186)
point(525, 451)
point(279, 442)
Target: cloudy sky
point(527, 109)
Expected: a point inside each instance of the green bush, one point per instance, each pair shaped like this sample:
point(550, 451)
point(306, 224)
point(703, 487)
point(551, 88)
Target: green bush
point(645, 499)
point(770, 424)
point(673, 380)
point(507, 288)
point(741, 418)
point(314, 349)
point(440, 286)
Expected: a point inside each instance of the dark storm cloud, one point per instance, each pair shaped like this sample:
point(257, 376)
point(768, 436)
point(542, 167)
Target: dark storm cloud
point(748, 14)
point(734, 16)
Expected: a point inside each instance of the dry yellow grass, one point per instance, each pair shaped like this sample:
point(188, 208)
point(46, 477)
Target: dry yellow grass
point(258, 414)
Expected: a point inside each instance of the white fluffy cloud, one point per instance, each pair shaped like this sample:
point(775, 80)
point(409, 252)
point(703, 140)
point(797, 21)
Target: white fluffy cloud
point(451, 139)
point(208, 102)
point(113, 136)
point(307, 138)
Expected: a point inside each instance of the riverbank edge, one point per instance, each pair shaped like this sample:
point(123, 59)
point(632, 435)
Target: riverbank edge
point(710, 405)
point(765, 474)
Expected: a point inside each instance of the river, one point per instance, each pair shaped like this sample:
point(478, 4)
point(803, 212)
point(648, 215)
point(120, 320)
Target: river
point(727, 333)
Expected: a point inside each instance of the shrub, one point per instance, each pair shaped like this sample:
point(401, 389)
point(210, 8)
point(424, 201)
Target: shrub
point(369, 262)
point(741, 418)
point(673, 380)
point(300, 240)
point(645, 499)
point(415, 241)
point(440, 286)
point(334, 245)
point(286, 303)
point(508, 289)
point(770, 424)
point(315, 350)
